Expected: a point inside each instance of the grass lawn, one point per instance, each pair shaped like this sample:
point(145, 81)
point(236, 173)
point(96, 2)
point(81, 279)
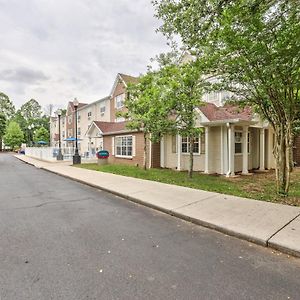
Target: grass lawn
point(260, 186)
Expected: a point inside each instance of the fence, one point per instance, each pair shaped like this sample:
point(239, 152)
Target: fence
point(50, 153)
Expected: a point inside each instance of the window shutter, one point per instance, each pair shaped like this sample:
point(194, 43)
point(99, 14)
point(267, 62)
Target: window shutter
point(174, 144)
point(113, 145)
point(133, 145)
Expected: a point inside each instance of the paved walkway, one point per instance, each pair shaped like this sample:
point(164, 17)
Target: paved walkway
point(268, 224)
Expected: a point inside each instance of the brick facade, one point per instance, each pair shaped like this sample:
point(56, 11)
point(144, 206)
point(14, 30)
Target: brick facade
point(138, 158)
point(119, 90)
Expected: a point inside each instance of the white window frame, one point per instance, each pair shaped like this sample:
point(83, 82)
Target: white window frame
point(119, 119)
point(89, 115)
point(239, 132)
point(102, 112)
point(119, 101)
point(116, 145)
point(185, 140)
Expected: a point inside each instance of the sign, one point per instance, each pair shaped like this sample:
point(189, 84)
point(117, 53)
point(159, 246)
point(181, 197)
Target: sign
point(102, 154)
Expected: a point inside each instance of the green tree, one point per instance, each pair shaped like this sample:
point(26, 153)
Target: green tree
point(13, 135)
point(181, 90)
point(6, 106)
point(2, 128)
point(253, 47)
point(31, 110)
point(41, 134)
point(145, 111)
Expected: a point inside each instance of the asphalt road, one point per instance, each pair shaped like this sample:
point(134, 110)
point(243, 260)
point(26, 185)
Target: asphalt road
point(60, 239)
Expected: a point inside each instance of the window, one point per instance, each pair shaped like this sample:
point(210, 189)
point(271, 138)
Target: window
point(102, 110)
point(202, 143)
point(70, 133)
point(120, 119)
point(63, 134)
point(248, 144)
point(238, 141)
point(185, 145)
point(78, 118)
point(78, 131)
point(69, 119)
point(124, 145)
point(119, 101)
point(89, 115)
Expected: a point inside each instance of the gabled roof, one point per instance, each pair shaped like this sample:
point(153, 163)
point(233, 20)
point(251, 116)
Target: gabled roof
point(111, 127)
point(226, 112)
point(125, 79)
point(108, 128)
point(128, 78)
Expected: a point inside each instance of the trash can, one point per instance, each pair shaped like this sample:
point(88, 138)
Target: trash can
point(102, 156)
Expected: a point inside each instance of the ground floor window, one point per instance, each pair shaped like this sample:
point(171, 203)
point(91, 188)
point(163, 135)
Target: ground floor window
point(123, 145)
point(185, 145)
point(238, 135)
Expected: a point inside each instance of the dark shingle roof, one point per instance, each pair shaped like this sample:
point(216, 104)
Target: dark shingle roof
point(226, 112)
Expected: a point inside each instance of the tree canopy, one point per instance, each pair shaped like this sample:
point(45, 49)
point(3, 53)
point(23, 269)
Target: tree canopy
point(41, 134)
point(253, 47)
point(13, 135)
point(6, 106)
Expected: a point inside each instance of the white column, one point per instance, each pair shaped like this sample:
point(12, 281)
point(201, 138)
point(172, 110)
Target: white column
point(207, 130)
point(245, 150)
point(150, 154)
point(162, 152)
point(262, 149)
point(231, 150)
point(178, 152)
point(222, 151)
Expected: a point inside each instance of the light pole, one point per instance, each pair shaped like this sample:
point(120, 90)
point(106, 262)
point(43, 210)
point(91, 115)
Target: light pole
point(76, 157)
point(59, 155)
point(30, 127)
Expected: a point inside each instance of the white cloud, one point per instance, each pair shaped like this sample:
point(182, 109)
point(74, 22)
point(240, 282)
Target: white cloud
point(55, 50)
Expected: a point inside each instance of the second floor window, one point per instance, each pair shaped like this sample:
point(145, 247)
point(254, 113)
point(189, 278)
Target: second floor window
point(119, 101)
point(102, 110)
point(89, 115)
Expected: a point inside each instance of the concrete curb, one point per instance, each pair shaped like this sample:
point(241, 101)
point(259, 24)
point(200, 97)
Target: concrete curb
point(258, 241)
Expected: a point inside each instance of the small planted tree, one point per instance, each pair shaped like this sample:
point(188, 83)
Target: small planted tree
point(145, 111)
point(13, 135)
point(41, 134)
point(181, 90)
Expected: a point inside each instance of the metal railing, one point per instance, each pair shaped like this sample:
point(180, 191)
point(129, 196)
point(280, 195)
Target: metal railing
point(50, 153)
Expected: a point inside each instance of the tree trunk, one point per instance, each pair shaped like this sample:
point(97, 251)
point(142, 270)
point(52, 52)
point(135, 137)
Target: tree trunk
point(282, 153)
point(191, 164)
point(145, 152)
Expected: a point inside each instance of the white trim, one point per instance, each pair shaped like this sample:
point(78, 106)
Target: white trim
point(262, 149)
point(125, 156)
point(245, 150)
point(207, 130)
point(162, 152)
point(231, 148)
point(117, 80)
point(150, 154)
point(178, 152)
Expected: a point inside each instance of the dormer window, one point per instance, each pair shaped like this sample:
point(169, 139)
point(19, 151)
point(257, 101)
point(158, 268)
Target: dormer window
point(119, 101)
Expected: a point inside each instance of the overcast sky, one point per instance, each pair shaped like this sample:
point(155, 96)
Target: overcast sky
point(55, 50)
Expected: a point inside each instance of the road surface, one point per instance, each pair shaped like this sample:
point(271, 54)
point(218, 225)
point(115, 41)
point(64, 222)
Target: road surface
point(60, 239)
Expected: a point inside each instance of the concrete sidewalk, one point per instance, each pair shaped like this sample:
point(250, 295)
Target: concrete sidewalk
point(268, 224)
